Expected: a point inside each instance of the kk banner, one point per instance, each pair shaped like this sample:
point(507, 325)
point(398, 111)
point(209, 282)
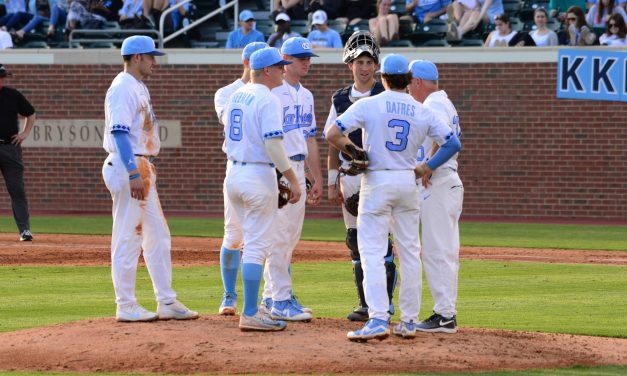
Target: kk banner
point(592, 74)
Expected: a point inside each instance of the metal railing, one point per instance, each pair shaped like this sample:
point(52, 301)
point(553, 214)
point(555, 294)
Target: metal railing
point(163, 40)
point(107, 32)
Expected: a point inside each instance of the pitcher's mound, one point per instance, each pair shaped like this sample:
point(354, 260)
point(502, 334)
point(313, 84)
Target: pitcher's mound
point(215, 344)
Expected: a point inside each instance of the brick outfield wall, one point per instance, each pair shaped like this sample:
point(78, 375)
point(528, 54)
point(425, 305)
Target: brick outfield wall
point(525, 153)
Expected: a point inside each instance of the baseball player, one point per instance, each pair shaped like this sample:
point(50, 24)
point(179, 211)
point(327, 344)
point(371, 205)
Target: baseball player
point(299, 139)
point(441, 205)
point(232, 241)
point(394, 127)
point(132, 141)
point(254, 148)
point(361, 54)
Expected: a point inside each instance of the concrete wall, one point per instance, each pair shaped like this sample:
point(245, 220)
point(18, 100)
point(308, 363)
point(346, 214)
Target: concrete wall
point(525, 153)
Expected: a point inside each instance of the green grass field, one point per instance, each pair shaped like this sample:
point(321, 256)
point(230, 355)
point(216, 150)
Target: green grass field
point(560, 298)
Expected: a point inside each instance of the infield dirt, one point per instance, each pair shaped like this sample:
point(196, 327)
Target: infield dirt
point(214, 344)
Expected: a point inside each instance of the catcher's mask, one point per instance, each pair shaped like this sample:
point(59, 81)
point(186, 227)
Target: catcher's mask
point(358, 43)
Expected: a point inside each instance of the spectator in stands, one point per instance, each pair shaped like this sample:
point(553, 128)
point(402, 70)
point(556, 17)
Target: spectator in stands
point(294, 8)
point(80, 16)
point(283, 31)
point(600, 12)
point(332, 7)
point(542, 35)
point(323, 36)
point(385, 25)
point(42, 14)
point(357, 10)
point(577, 32)
point(5, 40)
point(486, 13)
point(184, 12)
point(424, 11)
point(245, 34)
point(109, 9)
point(132, 15)
point(504, 36)
point(58, 16)
point(16, 13)
point(558, 8)
point(615, 32)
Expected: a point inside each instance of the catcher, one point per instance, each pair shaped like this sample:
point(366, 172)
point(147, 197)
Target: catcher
point(361, 54)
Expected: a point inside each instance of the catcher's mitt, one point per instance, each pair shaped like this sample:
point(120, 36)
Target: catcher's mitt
point(358, 163)
point(352, 203)
point(284, 190)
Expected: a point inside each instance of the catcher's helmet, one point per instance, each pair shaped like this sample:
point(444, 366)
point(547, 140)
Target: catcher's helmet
point(358, 43)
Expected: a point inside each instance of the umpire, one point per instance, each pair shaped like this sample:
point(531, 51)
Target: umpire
point(12, 104)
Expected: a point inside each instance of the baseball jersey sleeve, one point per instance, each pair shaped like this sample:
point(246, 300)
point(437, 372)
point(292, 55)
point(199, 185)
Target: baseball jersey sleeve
point(271, 122)
point(353, 118)
point(330, 120)
point(439, 130)
point(120, 109)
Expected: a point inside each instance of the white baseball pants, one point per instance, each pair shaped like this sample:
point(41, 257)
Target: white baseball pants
point(137, 225)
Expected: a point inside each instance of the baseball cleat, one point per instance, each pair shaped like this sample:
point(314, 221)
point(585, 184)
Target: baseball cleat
point(228, 307)
point(134, 313)
point(438, 324)
point(265, 306)
point(359, 314)
point(296, 303)
point(405, 329)
point(175, 310)
point(26, 236)
point(259, 322)
point(285, 310)
point(374, 329)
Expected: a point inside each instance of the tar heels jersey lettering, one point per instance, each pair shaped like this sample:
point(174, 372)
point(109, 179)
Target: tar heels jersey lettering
point(394, 127)
point(444, 109)
point(299, 119)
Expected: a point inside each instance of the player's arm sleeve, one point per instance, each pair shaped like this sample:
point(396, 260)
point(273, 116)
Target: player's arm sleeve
point(442, 134)
point(352, 119)
point(24, 107)
point(120, 106)
point(276, 152)
point(125, 150)
point(330, 120)
point(313, 129)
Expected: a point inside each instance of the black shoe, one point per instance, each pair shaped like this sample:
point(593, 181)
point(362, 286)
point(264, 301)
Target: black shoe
point(359, 314)
point(26, 236)
point(438, 324)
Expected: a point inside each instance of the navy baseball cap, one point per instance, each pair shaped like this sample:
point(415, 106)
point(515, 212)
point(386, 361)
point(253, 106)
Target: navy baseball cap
point(246, 15)
point(394, 64)
point(297, 47)
point(140, 44)
point(252, 47)
point(424, 69)
point(4, 72)
point(266, 57)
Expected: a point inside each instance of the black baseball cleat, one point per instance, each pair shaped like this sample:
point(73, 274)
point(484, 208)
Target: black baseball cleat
point(359, 314)
point(26, 236)
point(438, 324)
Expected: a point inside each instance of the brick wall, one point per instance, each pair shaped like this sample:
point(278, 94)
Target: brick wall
point(525, 153)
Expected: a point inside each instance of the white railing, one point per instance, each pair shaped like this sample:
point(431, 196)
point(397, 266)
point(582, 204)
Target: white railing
point(106, 32)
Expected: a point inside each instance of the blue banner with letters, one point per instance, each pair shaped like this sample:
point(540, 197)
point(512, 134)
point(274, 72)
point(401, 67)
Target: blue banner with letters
point(592, 74)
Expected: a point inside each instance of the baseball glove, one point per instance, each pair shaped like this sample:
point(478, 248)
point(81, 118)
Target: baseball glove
point(284, 190)
point(358, 162)
point(352, 203)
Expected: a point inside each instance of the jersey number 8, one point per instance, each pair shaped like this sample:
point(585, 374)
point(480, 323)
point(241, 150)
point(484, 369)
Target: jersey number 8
point(235, 130)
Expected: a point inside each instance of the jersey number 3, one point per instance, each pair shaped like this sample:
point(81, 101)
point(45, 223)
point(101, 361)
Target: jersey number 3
point(401, 135)
point(235, 123)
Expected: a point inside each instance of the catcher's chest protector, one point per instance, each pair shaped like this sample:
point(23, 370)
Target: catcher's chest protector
point(342, 101)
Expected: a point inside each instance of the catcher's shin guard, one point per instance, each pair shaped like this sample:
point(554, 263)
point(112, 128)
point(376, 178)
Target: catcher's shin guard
point(351, 243)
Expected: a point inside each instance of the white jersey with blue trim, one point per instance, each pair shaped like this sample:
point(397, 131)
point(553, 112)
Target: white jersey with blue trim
point(221, 98)
point(252, 116)
point(299, 119)
point(442, 106)
point(395, 126)
point(128, 109)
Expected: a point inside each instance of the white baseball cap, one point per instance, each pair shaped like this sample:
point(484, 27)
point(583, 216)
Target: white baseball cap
point(282, 17)
point(319, 17)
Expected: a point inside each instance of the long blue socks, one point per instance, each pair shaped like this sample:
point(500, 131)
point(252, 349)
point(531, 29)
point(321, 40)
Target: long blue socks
point(229, 264)
point(251, 276)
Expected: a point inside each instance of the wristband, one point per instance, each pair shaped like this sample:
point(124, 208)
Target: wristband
point(133, 177)
point(332, 177)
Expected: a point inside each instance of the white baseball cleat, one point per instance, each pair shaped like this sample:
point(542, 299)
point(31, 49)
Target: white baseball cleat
point(134, 313)
point(374, 329)
point(175, 310)
point(287, 311)
point(405, 329)
point(260, 322)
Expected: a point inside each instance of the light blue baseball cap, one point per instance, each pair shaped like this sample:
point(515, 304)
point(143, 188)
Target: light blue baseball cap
point(139, 44)
point(424, 69)
point(394, 64)
point(297, 47)
point(266, 57)
point(252, 47)
point(246, 15)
